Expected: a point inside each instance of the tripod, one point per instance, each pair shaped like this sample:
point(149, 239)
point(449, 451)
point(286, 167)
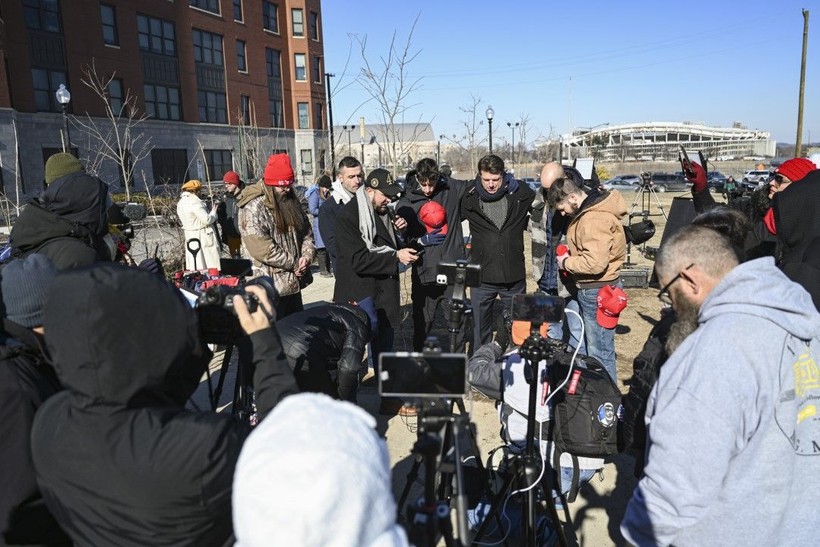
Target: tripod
point(243, 407)
point(644, 195)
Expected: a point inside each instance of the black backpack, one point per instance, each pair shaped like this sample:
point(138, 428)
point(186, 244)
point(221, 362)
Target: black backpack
point(585, 412)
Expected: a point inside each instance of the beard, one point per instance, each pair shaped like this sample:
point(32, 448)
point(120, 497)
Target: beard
point(686, 324)
point(287, 210)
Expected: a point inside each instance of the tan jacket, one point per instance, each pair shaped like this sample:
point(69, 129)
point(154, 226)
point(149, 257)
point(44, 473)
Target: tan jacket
point(596, 241)
point(273, 253)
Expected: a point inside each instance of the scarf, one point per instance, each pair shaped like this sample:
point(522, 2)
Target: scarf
point(367, 223)
point(340, 193)
point(510, 185)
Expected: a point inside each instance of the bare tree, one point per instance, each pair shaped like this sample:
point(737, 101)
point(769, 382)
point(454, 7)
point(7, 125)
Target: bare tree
point(119, 138)
point(388, 82)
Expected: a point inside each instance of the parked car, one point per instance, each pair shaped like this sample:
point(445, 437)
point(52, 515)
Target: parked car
point(758, 177)
point(716, 181)
point(623, 185)
point(532, 182)
point(666, 182)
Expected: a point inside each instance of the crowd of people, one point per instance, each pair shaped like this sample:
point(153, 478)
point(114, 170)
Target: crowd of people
point(99, 358)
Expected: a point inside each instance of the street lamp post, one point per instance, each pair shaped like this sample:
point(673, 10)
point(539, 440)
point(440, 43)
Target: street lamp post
point(349, 129)
point(438, 150)
point(64, 97)
point(513, 127)
point(490, 113)
point(328, 76)
point(361, 141)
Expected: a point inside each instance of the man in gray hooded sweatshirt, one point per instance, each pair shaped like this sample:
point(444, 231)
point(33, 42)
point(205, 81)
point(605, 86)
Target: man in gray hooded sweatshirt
point(734, 432)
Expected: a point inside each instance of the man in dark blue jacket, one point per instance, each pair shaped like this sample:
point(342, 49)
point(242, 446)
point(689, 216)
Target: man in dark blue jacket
point(431, 210)
point(497, 208)
point(349, 178)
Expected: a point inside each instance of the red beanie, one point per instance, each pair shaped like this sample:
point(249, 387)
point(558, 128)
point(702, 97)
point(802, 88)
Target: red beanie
point(231, 177)
point(278, 171)
point(434, 217)
point(795, 168)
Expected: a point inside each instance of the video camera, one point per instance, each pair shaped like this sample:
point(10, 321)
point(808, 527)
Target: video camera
point(218, 322)
point(423, 375)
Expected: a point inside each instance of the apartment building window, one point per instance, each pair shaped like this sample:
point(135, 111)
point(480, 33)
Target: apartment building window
point(316, 68)
point(245, 106)
point(314, 25)
point(207, 48)
point(169, 165)
point(301, 67)
point(237, 10)
point(277, 118)
point(304, 115)
point(207, 5)
point(115, 95)
point(156, 35)
point(46, 83)
point(273, 65)
point(219, 162)
point(241, 58)
point(212, 107)
point(306, 158)
point(162, 102)
point(42, 15)
point(269, 18)
point(109, 25)
point(319, 116)
point(298, 22)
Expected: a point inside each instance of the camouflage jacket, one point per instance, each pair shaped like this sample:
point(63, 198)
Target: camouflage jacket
point(273, 253)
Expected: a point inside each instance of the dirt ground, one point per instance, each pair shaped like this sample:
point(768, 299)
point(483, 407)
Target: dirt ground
point(599, 509)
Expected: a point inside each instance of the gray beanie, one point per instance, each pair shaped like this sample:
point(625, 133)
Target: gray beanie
point(24, 283)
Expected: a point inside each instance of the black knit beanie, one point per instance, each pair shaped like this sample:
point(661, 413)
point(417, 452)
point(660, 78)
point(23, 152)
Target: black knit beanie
point(24, 284)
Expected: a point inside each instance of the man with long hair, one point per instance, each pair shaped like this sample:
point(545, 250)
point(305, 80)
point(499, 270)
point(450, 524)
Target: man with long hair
point(277, 236)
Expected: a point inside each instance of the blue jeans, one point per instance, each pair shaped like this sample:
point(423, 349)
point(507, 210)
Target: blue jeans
point(598, 342)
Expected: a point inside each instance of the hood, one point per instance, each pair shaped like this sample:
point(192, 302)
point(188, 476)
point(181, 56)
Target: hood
point(79, 198)
point(607, 201)
point(36, 225)
point(334, 466)
point(415, 195)
point(758, 288)
point(249, 193)
point(797, 216)
point(122, 336)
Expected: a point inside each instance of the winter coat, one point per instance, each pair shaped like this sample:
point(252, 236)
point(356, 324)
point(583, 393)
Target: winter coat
point(68, 223)
point(328, 212)
point(274, 253)
point(499, 251)
point(361, 273)
point(797, 217)
point(118, 457)
point(26, 381)
point(198, 223)
point(732, 449)
point(448, 194)
point(228, 216)
point(315, 201)
point(596, 240)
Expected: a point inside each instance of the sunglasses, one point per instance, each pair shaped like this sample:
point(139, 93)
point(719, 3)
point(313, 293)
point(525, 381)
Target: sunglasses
point(779, 179)
point(663, 294)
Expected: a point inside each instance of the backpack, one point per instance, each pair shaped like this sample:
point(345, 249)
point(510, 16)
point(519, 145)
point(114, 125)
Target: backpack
point(585, 412)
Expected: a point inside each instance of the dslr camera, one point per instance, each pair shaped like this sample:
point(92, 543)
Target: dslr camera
point(218, 322)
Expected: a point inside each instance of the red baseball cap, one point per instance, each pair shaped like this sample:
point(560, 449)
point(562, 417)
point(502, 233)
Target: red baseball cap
point(611, 302)
point(434, 217)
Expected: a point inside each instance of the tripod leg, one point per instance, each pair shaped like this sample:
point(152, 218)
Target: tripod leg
point(658, 203)
point(223, 371)
point(412, 475)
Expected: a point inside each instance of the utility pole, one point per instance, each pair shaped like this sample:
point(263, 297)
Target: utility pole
point(798, 143)
point(328, 76)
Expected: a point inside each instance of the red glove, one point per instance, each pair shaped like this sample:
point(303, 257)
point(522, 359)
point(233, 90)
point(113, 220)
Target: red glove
point(561, 253)
point(695, 173)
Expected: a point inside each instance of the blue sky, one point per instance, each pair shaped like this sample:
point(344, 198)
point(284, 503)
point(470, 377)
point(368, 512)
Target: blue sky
point(585, 63)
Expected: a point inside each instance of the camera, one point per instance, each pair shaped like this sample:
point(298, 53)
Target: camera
point(423, 375)
point(218, 322)
point(460, 272)
point(646, 178)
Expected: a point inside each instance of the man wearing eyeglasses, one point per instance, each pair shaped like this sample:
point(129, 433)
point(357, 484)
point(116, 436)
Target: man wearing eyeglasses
point(734, 433)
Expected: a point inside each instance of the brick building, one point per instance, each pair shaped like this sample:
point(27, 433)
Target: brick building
point(217, 79)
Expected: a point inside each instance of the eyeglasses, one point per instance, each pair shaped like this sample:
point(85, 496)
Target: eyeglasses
point(779, 179)
point(663, 294)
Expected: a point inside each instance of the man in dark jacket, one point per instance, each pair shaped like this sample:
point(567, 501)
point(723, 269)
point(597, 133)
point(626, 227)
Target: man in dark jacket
point(119, 459)
point(228, 213)
point(441, 238)
point(348, 181)
point(68, 223)
point(322, 339)
point(26, 381)
point(497, 208)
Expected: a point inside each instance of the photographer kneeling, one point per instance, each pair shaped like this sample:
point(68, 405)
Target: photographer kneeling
point(118, 458)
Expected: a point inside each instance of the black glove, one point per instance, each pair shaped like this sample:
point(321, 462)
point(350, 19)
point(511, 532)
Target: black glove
point(153, 265)
point(432, 239)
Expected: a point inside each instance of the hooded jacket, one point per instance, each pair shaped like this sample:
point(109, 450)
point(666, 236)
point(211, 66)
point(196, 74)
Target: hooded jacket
point(596, 241)
point(797, 217)
point(499, 251)
point(448, 194)
point(315, 201)
point(67, 223)
point(733, 432)
point(118, 458)
point(198, 223)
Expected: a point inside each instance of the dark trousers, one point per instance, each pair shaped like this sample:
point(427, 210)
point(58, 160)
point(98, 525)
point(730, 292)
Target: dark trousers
point(288, 305)
point(431, 316)
point(323, 258)
point(483, 299)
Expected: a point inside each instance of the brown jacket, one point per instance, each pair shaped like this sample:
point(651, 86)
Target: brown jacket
point(273, 253)
point(596, 241)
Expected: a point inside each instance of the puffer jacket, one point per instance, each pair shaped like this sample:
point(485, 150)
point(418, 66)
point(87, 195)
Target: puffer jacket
point(118, 457)
point(596, 240)
point(198, 223)
point(274, 253)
